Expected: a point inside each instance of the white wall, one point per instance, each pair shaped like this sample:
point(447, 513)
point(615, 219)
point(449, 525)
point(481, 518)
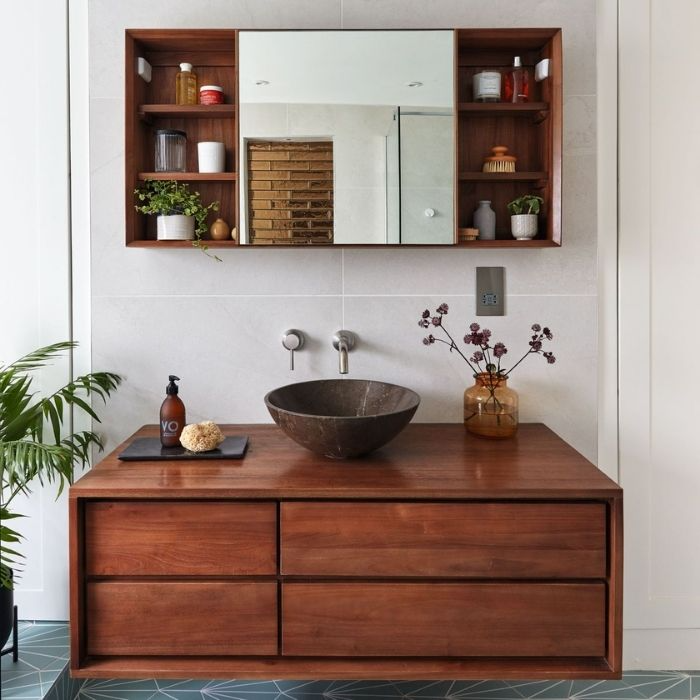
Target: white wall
point(659, 252)
point(35, 264)
point(218, 326)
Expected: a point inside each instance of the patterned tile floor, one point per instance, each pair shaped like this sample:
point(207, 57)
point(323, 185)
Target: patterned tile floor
point(41, 673)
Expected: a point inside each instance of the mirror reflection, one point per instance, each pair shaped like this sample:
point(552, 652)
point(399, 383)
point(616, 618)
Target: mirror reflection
point(346, 137)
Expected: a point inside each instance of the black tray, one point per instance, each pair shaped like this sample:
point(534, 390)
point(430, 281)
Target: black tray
point(150, 448)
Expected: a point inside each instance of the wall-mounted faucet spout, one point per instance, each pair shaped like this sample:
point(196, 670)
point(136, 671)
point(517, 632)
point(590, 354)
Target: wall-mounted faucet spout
point(344, 342)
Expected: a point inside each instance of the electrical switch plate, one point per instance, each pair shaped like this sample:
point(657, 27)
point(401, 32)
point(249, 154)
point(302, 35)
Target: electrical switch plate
point(490, 291)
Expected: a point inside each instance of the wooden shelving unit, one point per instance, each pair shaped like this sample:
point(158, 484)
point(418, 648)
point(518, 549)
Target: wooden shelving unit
point(150, 106)
point(532, 131)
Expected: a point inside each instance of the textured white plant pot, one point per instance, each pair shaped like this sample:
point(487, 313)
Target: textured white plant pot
point(175, 227)
point(523, 226)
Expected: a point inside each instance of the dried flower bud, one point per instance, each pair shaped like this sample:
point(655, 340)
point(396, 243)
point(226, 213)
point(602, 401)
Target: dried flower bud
point(486, 334)
point(499, 349)
point(474, 327)
point(478, 356)
point(536, 345)
point(550, 358)
point(429, 340)
point(442, 309)
point(536, 327)
point(436, 321)
point(426, 314)
point(547, 333)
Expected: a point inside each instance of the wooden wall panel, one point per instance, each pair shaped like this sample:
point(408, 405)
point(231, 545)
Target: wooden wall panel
point(290, 187)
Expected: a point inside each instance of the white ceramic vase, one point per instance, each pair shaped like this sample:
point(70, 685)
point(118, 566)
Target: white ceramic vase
point(175, 227)
point(523, 226)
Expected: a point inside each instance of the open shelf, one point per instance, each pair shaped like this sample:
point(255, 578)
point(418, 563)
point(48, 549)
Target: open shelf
point(502, 177)
point(508, 243)
point(195, 177)
point(142, 243)
point(150, 106)
point(491, 108)
point(187, 111)
point(531, 131)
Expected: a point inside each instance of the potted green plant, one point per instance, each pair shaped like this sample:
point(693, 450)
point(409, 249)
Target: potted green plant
point(523, 219)
point(181, 214)
point(32, 447)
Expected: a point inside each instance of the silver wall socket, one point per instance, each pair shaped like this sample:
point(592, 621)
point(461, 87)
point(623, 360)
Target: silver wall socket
point(490, 291)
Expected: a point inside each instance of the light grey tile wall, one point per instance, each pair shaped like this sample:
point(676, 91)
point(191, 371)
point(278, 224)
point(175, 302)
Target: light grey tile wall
point(218, 325)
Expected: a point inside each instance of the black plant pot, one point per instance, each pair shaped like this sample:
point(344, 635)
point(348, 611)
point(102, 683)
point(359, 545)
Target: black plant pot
point(6, 613)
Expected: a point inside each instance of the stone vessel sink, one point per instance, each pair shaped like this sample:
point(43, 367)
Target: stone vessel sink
point(341, 418)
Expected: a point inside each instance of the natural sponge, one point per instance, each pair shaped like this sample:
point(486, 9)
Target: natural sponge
point(201, 437)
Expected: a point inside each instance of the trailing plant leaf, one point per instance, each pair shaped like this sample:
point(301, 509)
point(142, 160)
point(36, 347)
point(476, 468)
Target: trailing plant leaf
point(26, 454)
point(167, 197)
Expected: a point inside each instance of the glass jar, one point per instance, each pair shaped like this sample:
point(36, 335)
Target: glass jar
point(171, 151)
point(486, 86)
point(491, 407)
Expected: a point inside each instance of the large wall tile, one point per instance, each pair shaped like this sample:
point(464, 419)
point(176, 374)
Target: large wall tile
point(108, 20)
point(562, 395)
point(575, 17)
point(227, 351)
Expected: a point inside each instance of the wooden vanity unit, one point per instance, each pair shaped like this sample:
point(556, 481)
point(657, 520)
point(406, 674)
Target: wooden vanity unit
point(440, 556)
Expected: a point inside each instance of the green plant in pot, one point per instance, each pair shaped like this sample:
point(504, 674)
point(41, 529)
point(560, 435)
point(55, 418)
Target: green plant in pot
point(523, 219)
point(32, 448)
point(181, 214)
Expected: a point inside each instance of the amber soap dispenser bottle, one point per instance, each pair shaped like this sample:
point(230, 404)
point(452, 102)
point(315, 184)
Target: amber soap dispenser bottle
point(172, 415)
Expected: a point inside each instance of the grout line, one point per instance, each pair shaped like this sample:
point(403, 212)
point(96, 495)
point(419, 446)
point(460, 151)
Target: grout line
point(340, 295)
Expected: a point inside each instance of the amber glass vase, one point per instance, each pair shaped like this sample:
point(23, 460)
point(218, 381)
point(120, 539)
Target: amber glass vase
point(491, 407)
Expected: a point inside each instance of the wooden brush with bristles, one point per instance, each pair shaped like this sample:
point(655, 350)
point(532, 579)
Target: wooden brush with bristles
point(499, 162)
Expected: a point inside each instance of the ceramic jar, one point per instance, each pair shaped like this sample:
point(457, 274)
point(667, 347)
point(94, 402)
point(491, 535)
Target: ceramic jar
point(219, 230)
point(485, 221)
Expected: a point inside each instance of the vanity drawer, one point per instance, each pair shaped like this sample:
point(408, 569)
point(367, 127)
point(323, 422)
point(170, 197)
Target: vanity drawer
point(131, 538)
point(190, 618)
point(443, 619)
point(486, 540)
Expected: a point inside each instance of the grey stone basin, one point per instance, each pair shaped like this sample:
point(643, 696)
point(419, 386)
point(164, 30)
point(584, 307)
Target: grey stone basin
point(341, 418)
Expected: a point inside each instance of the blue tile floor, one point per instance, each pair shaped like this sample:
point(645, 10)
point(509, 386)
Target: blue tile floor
point(41, 673)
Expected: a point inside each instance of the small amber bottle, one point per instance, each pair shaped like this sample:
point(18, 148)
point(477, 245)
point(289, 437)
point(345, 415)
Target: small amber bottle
point(172, 415)
point(186, 85)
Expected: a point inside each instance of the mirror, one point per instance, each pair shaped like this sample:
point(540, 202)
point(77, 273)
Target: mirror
point(346, 137)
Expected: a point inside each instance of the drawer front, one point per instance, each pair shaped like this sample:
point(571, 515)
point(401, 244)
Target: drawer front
point(132, 538)
point(488, 540)
point(188, 618)
point(443, 619)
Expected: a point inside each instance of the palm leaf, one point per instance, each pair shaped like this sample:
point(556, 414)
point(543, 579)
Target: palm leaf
point(25, 456)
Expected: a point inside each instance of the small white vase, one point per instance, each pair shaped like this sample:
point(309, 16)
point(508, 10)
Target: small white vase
point(485, 220)
point(523, 226)
point(175, 227)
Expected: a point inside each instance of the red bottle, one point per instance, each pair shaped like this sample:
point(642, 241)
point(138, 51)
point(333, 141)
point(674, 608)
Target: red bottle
point(516, 86)
point(172, 415)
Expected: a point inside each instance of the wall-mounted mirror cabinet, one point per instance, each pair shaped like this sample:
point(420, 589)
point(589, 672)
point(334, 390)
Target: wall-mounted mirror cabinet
point(349, 137)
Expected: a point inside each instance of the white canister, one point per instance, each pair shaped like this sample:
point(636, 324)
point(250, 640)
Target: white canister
point(212, 156)
point(487, 86)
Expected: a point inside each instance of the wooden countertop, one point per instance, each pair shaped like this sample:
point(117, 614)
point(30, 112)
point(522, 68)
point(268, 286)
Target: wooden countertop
point(426, 461)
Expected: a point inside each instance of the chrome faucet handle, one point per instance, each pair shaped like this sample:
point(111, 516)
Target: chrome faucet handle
point(344, 342)
point(293, 339)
